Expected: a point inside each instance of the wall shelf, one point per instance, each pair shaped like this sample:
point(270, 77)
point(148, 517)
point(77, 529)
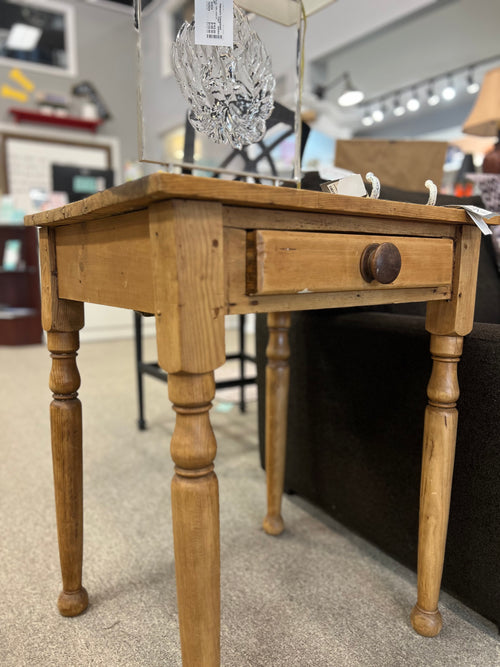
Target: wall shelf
point(31, 116)
point(28, 269)
point(17, 313)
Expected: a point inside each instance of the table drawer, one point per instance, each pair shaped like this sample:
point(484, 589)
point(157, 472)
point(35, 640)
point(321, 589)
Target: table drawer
point(280, 262)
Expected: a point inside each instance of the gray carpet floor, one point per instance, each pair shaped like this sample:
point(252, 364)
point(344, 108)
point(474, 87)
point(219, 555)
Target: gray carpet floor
point(317, 596)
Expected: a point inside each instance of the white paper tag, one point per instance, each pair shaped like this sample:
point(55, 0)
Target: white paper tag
point(351, 185)
point(477, 215)
point(213, 22)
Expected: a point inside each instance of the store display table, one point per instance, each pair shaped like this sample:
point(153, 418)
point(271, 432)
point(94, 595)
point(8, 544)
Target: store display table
point(191, 250)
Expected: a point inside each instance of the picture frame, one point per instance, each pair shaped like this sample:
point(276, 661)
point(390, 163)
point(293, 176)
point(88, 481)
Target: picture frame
point(38, 35)
point(27, 156)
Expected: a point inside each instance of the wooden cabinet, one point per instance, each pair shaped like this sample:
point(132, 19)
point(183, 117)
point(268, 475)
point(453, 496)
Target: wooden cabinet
point(20, 322)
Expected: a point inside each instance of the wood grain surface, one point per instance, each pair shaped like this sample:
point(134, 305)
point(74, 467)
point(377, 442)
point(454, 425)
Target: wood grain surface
point(159, 186)
point(281, 262)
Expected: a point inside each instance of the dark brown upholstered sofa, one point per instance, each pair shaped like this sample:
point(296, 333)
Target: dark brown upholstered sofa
point(355, 425)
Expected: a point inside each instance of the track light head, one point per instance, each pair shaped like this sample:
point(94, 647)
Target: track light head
point(449, 93)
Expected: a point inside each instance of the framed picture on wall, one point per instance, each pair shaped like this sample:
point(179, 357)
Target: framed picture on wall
point(27, 161)
point(38, 35)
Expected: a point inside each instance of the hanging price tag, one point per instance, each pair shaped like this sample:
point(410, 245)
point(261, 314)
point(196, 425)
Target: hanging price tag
point(477, 215)
point(213, 22)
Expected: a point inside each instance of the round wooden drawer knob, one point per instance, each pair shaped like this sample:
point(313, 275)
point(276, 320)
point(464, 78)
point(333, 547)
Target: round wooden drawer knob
point(380, 262)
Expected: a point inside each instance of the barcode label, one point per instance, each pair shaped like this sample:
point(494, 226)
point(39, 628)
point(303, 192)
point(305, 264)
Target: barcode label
point(213, 21)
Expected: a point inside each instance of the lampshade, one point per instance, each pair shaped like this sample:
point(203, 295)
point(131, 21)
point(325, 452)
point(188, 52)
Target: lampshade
point(484, 119)
point(282, 11)
point(473, 144)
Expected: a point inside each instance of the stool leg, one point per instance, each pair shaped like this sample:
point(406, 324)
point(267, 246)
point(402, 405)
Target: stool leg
point(440, 430)
point(195, 515)
point(277, 383)
point(242, 362)
point(141, 422)
point(66, 429)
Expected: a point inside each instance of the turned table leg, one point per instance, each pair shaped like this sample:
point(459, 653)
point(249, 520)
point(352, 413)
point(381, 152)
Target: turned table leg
point(66, 430)
point(62, 321)
point(188, 280)
point(447, 322)
point(440, 431)
point(277, 384)
point(195, 515)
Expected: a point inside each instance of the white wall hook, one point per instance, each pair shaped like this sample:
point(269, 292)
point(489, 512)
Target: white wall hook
point(433, 191)
point(375, 183)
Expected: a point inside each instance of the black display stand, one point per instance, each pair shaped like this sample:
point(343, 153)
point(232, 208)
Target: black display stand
point(20, 319)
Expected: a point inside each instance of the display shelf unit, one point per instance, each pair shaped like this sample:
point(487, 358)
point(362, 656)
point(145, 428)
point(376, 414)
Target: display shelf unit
point(31, 116)
point(20, 320)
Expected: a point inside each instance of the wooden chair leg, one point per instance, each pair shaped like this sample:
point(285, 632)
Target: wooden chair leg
point(66, 429)
point(440, 432)
point(277, 384)
point(195, 514)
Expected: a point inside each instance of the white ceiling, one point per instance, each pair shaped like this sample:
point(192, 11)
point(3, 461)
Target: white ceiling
point(328, 33)
point(387, 45)
point(347, 21)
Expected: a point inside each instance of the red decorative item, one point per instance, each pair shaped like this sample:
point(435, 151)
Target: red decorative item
point(30, 116)
point(491, 162)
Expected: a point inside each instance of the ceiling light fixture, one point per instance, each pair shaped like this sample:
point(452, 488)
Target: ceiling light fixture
point(413, 103)
point(378, 114)
point(415, 93)
point(351, 95)
point(398, 109)
point(449, 93)
point(432, 97)
point(472, 85)
point(367, 119)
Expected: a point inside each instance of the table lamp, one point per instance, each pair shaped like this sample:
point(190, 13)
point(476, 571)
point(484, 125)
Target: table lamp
point(484, 119)
point(283, 11)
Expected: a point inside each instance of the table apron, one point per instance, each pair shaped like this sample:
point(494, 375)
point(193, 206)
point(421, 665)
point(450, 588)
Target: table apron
point(108, 261)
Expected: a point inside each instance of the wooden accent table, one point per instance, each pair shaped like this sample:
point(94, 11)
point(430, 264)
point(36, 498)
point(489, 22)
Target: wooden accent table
point(191, 250)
